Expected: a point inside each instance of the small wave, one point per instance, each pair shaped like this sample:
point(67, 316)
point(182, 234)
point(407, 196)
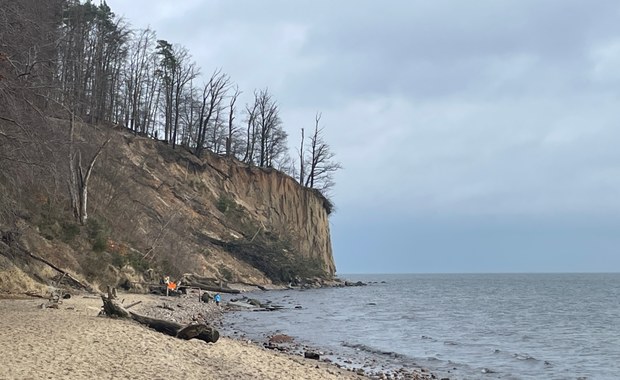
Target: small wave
point(450, 343)
point(371, 350)
point(524, 357)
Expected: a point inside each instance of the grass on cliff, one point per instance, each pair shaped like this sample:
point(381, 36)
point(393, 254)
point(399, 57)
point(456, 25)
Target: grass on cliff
point(91, 244)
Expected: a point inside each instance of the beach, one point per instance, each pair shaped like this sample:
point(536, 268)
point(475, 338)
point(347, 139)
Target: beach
point(73, 342)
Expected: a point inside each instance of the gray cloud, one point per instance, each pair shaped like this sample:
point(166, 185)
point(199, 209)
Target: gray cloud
point(493, 109)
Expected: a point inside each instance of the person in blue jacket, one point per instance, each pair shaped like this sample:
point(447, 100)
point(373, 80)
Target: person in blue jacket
point(217, 298)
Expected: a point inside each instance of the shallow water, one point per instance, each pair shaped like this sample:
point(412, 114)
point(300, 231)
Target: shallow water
point(489, 326)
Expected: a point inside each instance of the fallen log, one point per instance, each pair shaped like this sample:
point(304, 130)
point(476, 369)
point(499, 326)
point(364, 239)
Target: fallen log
point(206, 283)
point(195, 331)
point(189, 277)
point(164, 306)
point(211, 288)
point(75, 282)
point(261, 287)
point(33, 294)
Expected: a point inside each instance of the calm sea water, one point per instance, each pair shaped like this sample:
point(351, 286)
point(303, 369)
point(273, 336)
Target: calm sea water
point(465, 326)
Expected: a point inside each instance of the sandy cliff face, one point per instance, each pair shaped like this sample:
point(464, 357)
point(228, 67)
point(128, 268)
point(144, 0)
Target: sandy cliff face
point(283, 207)
point(214, 216)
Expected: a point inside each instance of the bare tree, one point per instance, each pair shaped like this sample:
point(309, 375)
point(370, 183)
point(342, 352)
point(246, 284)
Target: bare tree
point(287, 164)
point(320, 165)
point(216, 132)
point(231, 118)
point(213, 94)
point(186, 72)
point(149, 112)
point(250, 132)
point(277, 149)
point(80, 176)
point(138, 74)
point(92, 53)
point(266, 140)
point(302, 162)
point(109, 52)
point(190, 107)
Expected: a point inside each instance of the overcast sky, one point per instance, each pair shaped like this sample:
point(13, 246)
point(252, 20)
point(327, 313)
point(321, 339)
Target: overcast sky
point(475, 136)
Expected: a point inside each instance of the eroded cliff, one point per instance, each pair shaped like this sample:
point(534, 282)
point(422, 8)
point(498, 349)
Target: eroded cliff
point(154, 207)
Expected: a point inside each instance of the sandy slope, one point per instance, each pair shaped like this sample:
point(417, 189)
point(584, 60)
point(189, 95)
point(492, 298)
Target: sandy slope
point(73, 343)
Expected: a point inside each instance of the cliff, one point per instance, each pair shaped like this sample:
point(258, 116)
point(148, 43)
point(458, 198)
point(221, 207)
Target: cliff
point(155, 210)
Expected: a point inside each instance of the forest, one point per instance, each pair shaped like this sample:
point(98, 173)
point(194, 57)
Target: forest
point(78, 61)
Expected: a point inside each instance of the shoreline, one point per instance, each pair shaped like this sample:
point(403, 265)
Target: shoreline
point(359, 360)
point(362, 363)
point(73, 342)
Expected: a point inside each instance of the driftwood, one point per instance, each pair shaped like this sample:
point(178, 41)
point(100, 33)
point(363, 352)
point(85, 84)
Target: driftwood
point(215, 284)
point(164, 306)
point(194, 331)
point(206, 283)
point(210, 288)
point(188, 277)
point(112, 293)
point(261, 287)
point(33, 294)
point(133, 304)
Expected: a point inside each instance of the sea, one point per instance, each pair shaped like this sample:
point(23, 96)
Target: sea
point(459, 326)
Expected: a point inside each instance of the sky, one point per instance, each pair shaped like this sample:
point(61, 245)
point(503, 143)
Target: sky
point(475, 136)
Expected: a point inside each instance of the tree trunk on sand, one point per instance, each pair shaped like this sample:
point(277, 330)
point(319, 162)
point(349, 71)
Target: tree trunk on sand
point(198, 331)
point(211, 288)
point(206, 283)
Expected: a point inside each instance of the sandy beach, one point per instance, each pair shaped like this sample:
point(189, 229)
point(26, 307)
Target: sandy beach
point(72, 342)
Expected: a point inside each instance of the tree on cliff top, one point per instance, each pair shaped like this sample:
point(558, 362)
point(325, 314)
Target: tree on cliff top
point(317, 164)
point(176, 71)
point(266, 140)
point(213, 95)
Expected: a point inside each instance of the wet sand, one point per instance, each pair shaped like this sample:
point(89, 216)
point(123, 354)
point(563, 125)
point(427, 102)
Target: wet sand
point(72, 342)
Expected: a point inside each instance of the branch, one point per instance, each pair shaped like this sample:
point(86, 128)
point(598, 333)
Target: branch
point(156, 241)
point(92, 162)
point(32, 255)
point(11, 137)
point(10, 121)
